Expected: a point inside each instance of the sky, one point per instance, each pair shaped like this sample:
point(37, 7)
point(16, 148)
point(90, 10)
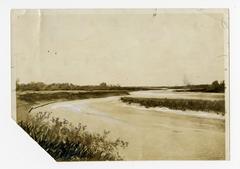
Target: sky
point(127, 47)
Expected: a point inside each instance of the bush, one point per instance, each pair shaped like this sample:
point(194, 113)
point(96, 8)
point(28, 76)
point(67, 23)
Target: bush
point(66, 142)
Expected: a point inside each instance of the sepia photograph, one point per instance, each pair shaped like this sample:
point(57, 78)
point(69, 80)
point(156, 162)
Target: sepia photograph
point(122, 84)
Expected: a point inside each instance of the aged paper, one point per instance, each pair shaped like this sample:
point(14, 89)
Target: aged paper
point(123, 84)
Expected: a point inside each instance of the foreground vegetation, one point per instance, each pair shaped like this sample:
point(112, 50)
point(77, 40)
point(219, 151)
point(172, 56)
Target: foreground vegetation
point(217, 106)
point(62, 140)
point(65, 142)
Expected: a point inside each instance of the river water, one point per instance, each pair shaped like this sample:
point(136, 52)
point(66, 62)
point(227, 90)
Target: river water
point(152, 133)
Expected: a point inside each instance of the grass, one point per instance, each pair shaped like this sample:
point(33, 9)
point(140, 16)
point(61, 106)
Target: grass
point(23, 108)
point(65, 142)
point(62, 140)
point(27, 100)
point(34, 96)
point(217, 106)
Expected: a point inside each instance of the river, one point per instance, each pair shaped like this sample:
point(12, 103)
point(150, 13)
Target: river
point(152, 133)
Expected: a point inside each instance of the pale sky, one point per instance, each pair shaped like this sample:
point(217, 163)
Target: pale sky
point(126, 47)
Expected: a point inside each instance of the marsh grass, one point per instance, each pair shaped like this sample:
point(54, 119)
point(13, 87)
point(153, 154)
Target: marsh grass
point(66, 142)
point(217, 106)
point(34, 97)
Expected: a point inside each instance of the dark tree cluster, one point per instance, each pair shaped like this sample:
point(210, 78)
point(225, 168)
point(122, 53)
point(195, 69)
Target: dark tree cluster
point(40, 86)
point(215, 87)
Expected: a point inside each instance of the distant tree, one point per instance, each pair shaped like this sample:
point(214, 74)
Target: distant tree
point(216, 87)
point(103, 84)
point(222, 86)
point(36, 86)
point(215, 84)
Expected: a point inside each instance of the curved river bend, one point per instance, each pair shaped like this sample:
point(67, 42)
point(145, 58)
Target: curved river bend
point(152, 133)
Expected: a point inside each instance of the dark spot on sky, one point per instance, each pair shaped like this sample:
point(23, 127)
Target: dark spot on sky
point(176, 131)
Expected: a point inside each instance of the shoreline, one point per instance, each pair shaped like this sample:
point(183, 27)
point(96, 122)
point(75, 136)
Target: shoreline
point(26, 102)
point(134, 126)
point(216, 106)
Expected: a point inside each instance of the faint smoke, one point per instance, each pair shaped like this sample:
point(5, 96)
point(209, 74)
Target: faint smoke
point(185, 80)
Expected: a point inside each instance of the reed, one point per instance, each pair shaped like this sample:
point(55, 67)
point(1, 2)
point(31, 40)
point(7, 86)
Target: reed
point(217, 106)
point(66, 142)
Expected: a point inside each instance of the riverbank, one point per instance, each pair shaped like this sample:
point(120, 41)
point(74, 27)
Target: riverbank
point(59, 137)
point(217, 106)
point(151, 135)
point(26, 101)
point(37, 96)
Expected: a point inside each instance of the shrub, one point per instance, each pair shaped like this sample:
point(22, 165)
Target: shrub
point(66, 142)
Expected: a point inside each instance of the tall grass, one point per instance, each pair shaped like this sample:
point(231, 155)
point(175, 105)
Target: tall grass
point(66, 142)
point(33, 97)
point(217, 106)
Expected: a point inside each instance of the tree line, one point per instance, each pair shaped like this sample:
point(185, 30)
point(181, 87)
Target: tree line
point(40, 86)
